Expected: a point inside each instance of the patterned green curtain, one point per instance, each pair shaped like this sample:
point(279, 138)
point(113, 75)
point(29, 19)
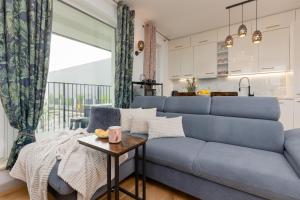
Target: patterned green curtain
point(124, 56)
point(25, 31)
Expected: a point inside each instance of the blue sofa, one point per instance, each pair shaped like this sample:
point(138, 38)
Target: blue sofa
point(235, 149)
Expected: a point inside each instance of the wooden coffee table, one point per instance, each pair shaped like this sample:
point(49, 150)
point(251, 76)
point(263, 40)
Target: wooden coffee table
point(116, 150)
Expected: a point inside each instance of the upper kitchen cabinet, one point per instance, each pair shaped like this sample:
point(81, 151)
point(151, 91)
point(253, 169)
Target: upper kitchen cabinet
point(204, 38)
point(179, 43)
point(296, 57)
point(175, 64)
point(243, 56)
point(274, 51)
point(282, 20)
point(205, 61)
point(181, 63)
point(187, 69)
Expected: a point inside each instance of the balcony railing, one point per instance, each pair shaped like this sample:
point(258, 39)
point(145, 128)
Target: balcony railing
point(64, 101)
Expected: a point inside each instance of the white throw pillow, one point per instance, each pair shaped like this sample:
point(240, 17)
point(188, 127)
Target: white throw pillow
point(168, 127)
point(140, 125)
point(128, 114)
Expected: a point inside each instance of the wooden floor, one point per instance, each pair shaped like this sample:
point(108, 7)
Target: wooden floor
point(155, 191)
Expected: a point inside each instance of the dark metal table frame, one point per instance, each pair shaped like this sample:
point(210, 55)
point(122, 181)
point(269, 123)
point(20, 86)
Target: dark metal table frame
point(117, 187)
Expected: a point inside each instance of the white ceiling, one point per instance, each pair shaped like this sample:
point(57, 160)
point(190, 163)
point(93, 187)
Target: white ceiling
point(176, 18)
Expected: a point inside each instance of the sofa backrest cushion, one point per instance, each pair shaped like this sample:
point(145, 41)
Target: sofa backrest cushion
point(149, 102)
point(253, 133)
point(247, 121)
point(246, 107)
point(188, 105)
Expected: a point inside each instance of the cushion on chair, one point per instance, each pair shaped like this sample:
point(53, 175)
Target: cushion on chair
point(263, 173)
point(103, 117)
point(176, 153)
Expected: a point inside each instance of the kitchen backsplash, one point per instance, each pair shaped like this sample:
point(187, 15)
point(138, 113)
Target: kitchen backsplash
point(277, 84)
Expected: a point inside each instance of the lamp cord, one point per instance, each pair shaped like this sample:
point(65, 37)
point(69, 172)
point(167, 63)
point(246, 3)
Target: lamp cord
point(256, 13)
point(229, 21)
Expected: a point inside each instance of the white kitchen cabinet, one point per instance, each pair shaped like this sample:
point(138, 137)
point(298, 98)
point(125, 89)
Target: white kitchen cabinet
point(204, 38)
point(296, 57)
point(243, 56)
point(179, 43)
point(174, 63)
point(297, 113)
point(205, 61)
point(181, 63)
point(278, 21)
point(287, 113)
point(187, 68)
point(274, 51)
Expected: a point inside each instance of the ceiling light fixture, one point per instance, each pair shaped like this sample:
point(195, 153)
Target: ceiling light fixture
point(257, 35)
point(242, 32)
point(229, 38)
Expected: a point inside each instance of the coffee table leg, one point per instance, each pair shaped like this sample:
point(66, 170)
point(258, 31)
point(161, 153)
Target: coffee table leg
point(116, 177)
point(136, 177)
point(144, 172)
point(108, 177)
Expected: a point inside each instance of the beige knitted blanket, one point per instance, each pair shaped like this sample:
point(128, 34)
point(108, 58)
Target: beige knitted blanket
point(83, 168)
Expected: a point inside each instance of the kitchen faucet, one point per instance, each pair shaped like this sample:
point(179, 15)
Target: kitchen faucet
point(249, 86)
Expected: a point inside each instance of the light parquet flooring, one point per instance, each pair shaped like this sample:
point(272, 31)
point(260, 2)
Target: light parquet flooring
point(155, 191)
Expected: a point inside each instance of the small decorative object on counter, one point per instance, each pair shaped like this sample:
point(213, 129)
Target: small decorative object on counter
point(114, 134)
point(203, 92)
point(191, 85)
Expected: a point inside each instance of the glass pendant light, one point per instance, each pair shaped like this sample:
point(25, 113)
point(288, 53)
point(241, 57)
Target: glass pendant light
point(242, 29)
point(229, 38)
point(257, 36)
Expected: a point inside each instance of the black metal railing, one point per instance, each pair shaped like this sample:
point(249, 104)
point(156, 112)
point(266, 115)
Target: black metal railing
point(64, 101)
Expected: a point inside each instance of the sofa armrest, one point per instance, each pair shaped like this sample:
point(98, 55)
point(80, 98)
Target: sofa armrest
point(292, 148)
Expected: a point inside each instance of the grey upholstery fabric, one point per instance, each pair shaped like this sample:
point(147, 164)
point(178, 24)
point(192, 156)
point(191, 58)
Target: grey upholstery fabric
point(188, 105)
point(149, 102)
point(195, 186)
point(176, 153)
point(63, 188)
point(57, 183)
point(254, 133)
point(195, 126)
point(103, 117)
point(263, 173)
point(246, 107)
point(292, 148)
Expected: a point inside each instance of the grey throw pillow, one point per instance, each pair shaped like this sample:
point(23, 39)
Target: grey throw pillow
point(103, 117)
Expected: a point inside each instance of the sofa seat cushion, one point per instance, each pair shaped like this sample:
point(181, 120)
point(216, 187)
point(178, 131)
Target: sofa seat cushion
point(262, 173)
point(176, 153)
